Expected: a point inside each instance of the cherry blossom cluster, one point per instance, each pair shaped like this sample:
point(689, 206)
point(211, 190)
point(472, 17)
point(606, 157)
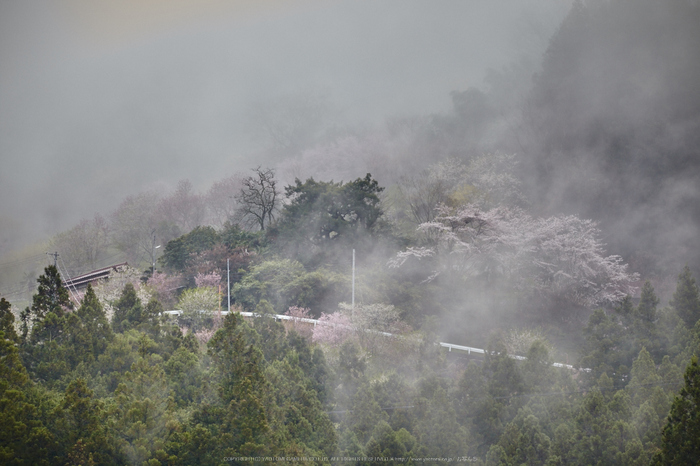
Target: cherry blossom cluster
point(297, 323)
point(203, 280)
point(560, 255)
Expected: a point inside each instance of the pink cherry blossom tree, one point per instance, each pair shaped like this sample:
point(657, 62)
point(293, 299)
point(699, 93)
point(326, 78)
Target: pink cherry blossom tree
point(561, 256)
point(211, 280)
point(333, 329)
point(164, 288)
point(297, 313)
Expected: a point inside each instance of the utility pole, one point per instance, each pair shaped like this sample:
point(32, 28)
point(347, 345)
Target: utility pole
point(228, 284)
point(353, 279)
point(153, 254)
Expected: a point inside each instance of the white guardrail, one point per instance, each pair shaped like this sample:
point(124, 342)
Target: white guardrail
point(449, 346)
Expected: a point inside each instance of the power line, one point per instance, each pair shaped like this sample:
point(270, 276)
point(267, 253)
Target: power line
point(55, 258)
point(22, 261)
point(68, 281)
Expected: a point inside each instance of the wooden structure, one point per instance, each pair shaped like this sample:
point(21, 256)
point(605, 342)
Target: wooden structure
point(81, 281)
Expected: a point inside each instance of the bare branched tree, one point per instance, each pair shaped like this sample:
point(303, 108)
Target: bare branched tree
point(184, 209)
point(258, 198)
point(83, 247)
point(423, 194)
point(132, 226)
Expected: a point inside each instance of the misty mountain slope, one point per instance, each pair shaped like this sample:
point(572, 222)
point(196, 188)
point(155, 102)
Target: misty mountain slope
point(613, 124)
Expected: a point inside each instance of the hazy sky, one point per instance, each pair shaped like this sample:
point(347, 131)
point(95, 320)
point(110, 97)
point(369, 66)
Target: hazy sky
point(100, 99)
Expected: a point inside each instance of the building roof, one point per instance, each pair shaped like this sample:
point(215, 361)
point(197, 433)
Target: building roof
point(82, 281)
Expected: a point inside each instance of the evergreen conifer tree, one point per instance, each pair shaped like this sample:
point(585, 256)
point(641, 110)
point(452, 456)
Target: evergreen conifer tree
point(7, 321)
point(646, 310)
point(88, 328)
point(51, 295)
point(45, 356)
point(645, 330)
point(680, 444)
point(685, 300)
point(127, 310)
point(243, 392)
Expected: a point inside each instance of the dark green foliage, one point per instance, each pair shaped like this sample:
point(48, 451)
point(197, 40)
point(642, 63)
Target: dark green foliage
point(177, 253)
point(152, 318)
point(614, 340)
point(350, 371)
point(625, 308)
point(90, 331)
point(680, 435)
point(438, 431)
point(364, 414)
point(524, 442)
point(127, 310)
point(503, 372)
point(185, 376)
point(395, 446)
point(645, 324)
point(333, 207)
point(313, 363)
point(243, 391)
point(81, 428)
point(148, 395)
point(7, 321)
point(284, 283)
point(538, 372)
point(646, 311)
point(119, 356)
point(298, 416)
point(141, 392)
point(267, 281)
point(48, 353)
point(44, 354)
point(51, 295)
point(233, 236)
point(686, 300)
point(24, 440)
point(323, 214)
point(142, 410)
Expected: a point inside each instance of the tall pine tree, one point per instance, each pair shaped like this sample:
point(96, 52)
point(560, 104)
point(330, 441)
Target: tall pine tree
point(685, 300)
point(680, 444)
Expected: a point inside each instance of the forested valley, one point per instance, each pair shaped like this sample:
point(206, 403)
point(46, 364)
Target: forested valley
point(551, 221)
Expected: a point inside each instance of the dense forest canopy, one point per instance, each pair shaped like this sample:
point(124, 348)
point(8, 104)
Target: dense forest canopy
point(547, 231)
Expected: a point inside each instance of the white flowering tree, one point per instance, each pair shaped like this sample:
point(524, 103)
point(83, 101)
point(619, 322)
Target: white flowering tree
point(198, 306)
point(366, 322)
point(211, 280)
point(333, 329)
point(298, 323)
point(163, 287)
point(109, 291)
point(493, 176)
point(560, 256)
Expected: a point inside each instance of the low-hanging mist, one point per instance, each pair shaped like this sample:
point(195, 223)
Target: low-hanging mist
point(356, 182)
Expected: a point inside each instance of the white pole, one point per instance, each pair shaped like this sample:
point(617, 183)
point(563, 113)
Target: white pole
point(153, 254)
point(353, 279)
point(228, 284)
